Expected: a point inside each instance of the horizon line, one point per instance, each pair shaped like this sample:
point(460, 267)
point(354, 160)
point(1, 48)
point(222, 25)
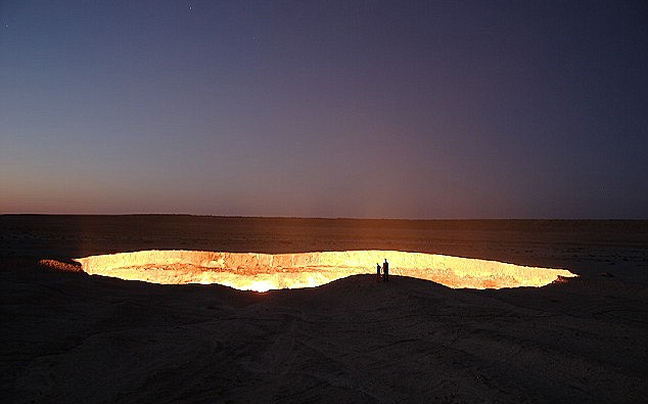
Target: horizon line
point(326, 217)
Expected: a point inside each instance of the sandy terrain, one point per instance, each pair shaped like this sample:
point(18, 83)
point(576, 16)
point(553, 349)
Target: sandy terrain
point(72, 337)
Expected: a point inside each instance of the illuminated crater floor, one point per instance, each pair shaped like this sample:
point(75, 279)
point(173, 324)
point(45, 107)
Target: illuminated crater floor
point(262, 272)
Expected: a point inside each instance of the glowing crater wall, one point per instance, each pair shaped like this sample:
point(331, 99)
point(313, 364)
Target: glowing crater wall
point(252, 271)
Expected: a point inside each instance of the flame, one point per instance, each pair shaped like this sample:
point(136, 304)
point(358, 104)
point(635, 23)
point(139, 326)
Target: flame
point(261, 286)
point(263, 272)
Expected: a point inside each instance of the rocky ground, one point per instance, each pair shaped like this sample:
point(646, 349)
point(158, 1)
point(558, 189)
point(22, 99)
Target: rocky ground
point(72, 337)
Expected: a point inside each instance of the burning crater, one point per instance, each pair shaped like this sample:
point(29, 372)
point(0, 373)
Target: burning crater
point(262, 272)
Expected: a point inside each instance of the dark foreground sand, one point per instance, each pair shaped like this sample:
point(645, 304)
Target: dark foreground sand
point(70, 337)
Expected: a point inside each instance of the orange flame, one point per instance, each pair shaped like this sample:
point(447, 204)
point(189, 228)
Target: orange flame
point(263, 272)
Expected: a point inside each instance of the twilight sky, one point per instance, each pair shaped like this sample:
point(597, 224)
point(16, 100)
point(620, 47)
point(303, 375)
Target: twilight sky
point(325, 108)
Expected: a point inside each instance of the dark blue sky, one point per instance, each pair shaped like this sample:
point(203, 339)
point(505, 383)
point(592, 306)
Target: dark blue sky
point(338, 108)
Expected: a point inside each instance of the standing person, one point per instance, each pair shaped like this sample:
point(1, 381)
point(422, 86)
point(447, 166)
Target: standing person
point(378, 272)
point(385, 269)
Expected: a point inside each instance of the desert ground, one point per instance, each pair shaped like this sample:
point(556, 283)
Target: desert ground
point(74, 337)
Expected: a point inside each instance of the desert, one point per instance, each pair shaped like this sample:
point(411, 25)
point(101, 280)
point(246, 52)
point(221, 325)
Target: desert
point(334, 201)
point(68, 336)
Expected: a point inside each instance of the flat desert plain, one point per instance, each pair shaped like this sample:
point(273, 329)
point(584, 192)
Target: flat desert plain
point(70, 337)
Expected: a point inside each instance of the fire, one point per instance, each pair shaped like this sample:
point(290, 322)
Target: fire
point(262, 286)
point(263, 272)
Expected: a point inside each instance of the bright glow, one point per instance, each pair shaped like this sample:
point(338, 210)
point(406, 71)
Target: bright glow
point(262, 286)
point(263, 272)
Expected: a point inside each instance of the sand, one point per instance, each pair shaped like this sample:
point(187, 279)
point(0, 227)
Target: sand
point(72, 337)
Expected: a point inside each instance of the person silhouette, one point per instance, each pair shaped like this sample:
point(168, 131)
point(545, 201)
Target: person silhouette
point(378, 272)
point(385, 269)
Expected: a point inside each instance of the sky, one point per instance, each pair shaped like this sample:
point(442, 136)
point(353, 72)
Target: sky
point(325, 108)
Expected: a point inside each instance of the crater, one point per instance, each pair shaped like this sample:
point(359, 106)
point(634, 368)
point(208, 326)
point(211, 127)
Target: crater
point(262, 272)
